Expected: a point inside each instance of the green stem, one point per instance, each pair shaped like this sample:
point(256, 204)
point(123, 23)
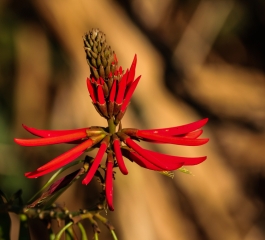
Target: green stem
point(58, 236)
point(112, 126)
point(96, 236)
point(83, 231)
point(113, 235)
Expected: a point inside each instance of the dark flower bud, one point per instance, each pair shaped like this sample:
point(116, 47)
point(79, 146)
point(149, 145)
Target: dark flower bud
point(99, 55)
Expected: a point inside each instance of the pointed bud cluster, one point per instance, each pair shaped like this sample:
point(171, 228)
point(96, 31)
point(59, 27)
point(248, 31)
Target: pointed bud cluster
point(100, 58)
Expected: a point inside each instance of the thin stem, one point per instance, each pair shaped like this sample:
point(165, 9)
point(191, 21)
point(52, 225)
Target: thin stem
point(83, 231)
point(96, 236)
point(58, 236)
point(113, 235)
point(53, 177)
point(111, 125)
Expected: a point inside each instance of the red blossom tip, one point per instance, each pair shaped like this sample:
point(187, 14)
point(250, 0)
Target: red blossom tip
point(179, 130)
point(121, 89)
point(194, 134)
point(144, 135)
point(132, 71)
point(91, 90)
point(51, 140)
point(129, 94)
point(51, 133)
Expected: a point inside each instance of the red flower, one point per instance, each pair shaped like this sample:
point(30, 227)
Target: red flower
point(111, 90)
point(112, 97)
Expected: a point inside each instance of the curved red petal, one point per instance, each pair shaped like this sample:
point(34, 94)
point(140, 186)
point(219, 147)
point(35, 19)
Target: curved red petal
point(165, 165)
point(109, 185)
point(170, 139)
point(113, 91)
point(91, 90)
point(121, 89)
point(184, 160)
point(67, 157)
point(129, 94)
point(194, 134)
point(37, 173)
point(92, 170)
point(118, 154)
point(51, 133)
point(132, 71)
point(183, 129)
point(51, 140)
point(141, 161)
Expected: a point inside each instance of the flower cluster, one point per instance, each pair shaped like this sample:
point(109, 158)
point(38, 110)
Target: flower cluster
point(111, 89)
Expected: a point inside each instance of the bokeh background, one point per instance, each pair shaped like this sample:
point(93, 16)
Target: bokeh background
point(197, 58)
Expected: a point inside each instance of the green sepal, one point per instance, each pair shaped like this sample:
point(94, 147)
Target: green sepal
point(185, 170)
point(169, 174)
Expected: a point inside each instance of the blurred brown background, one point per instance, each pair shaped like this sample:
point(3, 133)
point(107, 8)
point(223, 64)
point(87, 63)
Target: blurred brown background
point(197, 59)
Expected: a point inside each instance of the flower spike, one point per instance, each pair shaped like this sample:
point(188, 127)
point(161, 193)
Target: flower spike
point(111, 89)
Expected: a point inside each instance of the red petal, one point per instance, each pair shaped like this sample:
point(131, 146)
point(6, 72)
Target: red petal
point(113, 91)
point(132, 71)
point(121, 89)
point(183, 129)
point(118, 154)
point(92, 170)
point(129, 94)
point(165, 165)
point(184, 160)
point(38, 173)
point(51, 140)
point(109, 185)
point(101, 97)
point(52, 133)
point(141, 161)
point(169, 139)
point(194, 134)
point(91, 90)
point(67, 157)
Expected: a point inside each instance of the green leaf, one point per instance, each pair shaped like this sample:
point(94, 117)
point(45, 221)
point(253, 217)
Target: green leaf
point(5, 221)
